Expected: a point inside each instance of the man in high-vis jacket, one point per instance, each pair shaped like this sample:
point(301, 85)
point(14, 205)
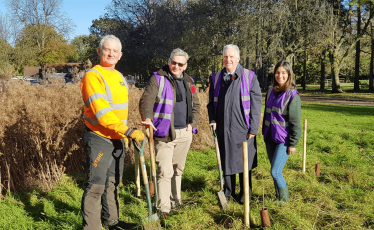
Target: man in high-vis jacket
point(171, 104)
point(234, 110)
point(105, 94)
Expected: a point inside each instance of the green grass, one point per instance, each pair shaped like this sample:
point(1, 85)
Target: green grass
point(340, 138)
point(314, 91)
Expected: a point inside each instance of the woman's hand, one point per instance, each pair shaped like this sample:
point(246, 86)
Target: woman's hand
point(291, 150)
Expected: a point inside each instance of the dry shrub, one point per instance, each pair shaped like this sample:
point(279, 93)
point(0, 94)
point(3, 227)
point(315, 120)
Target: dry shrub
point(204, 136)
point(40, 133)
point(41, 130)
point(7, 71)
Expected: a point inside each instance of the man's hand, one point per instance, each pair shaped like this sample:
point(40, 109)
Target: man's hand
point(147, 122)
point(189, 127)
point(137, 135)
point(291, 150)
point(250, 136)
point(214, 125)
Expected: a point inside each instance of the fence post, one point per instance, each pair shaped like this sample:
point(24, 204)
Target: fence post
point(246, 184)
point(304, 149)
point(6, 163)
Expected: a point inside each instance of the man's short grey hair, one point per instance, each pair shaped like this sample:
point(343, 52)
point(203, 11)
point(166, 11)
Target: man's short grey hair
point(178, 52)
point(107, 38)
point(229, 46)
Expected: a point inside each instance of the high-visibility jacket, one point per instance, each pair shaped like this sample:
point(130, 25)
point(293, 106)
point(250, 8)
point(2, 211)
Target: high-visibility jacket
point(276, 115)
point(245, 91)
point(163, 110)
point(105, 95)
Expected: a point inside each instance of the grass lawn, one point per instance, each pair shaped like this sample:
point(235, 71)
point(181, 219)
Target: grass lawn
point(314, 91)
point(340, 138)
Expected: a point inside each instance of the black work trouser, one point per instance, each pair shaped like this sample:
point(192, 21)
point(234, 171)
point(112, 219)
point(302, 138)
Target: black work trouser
point(230, 184)
point(105, 162)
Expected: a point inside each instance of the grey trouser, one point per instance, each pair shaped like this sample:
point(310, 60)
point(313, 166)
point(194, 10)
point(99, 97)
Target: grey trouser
point(171, 159)
point(230, 184)
point(105, 162)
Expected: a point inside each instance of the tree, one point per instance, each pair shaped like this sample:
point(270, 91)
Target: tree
point(56, 52)
point(358, 52)
point(6, 28)
point(41, 12)
point(341, 39)
point(149, 30)
point(6, 68)
point(34, 43)
point(85, 48)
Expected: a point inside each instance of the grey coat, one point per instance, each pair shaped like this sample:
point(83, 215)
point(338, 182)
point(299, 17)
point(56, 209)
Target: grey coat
point(231, 126)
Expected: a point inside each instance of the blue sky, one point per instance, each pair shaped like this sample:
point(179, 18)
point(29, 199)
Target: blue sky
point(82, 12)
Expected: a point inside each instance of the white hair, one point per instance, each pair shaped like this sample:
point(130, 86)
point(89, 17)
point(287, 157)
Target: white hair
point(109, 37)
point(229, 46)
point(178, 52)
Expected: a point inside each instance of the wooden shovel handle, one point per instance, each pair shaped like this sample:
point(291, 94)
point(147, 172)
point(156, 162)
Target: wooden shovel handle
point(152, 151)
point(246, 183)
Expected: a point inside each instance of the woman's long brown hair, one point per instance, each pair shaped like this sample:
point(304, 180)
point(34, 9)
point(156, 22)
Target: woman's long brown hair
point(290, 81)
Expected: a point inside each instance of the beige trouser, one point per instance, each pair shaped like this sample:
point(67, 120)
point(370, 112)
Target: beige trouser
point(171, 159)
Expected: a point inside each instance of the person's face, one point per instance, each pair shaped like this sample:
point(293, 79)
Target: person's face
point(110, 54)
point(177, 65)
point(231, 59)
point(281, 76)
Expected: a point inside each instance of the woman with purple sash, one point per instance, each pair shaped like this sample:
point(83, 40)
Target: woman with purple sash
point(281, 124)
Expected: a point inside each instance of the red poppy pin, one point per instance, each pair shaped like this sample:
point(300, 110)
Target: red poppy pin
point(233, 77)
point(193, 89)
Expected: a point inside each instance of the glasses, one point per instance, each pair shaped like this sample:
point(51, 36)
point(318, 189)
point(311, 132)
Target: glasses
point(177, 63)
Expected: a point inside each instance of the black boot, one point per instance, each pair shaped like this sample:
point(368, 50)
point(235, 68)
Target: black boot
point(117, 224)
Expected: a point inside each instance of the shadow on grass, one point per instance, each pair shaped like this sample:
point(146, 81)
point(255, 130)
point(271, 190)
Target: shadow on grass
point(39, 211)
point(129, 175)
point(194, 183)
point(80, 179)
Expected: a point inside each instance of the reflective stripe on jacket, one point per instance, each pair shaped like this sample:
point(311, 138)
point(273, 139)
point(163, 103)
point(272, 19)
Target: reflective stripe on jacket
point(276, 115)
point(163, 109)
point(105, 98)
point(245, 91)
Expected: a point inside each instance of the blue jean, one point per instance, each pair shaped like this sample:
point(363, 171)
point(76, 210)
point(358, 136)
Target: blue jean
point(277, 154)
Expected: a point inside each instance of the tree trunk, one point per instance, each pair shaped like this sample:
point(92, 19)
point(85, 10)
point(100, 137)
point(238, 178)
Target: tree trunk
point(304, 71)
point(335, 69)
point(323, 72)
point(357, 63)
point(371, 60)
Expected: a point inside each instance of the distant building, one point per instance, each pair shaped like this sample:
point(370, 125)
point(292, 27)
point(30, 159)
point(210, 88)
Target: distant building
point(30, 71)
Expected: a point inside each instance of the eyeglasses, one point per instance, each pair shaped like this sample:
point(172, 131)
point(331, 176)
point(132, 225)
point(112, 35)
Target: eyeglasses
point(177, 63)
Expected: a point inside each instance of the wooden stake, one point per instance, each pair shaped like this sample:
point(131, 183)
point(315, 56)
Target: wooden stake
point(246, 184)
point(263, 197)
point(6, 163)
point(152, 171)
point(304, 150)
point(137, 172)
point(317, 169)
point(265, 219)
